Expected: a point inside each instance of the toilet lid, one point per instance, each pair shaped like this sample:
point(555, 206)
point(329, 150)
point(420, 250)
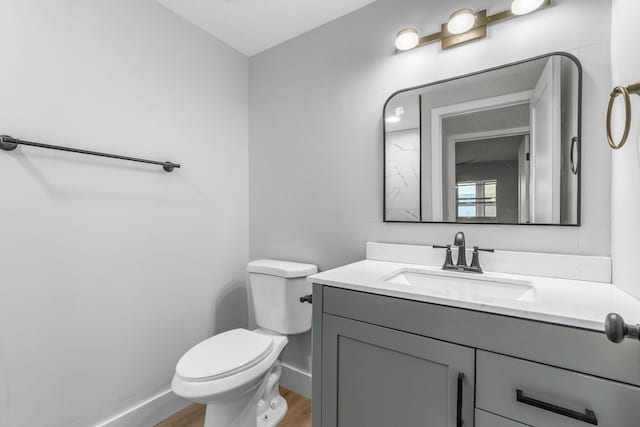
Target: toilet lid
point(224, 355)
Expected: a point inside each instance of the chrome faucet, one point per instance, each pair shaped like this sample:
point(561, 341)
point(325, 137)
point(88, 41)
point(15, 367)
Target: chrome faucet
point(461, 265)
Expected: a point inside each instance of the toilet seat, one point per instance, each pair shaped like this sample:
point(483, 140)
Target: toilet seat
point(200, 390)
point(224, 355)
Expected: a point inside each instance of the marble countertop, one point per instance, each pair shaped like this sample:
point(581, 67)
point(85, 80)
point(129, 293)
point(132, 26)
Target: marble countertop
point(567, 302)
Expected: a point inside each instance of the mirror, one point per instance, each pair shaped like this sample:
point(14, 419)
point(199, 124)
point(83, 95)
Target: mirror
point(501, 146)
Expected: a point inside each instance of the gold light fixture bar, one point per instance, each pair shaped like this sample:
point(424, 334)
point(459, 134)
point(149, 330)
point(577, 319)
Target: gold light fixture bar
point(476, 32)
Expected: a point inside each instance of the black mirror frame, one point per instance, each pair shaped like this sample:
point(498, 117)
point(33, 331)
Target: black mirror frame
point(571, 57)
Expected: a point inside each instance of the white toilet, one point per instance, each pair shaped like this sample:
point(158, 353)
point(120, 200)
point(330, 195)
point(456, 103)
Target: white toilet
point(236, 373)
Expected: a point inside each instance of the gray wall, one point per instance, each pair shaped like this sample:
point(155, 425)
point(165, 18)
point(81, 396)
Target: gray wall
point(112, 270)
point(626, 161)
point(316, 131)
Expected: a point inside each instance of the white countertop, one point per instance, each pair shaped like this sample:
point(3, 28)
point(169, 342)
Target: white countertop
point(574, 303)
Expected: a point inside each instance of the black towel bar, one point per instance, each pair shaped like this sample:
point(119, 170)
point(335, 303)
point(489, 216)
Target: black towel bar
point(8, 143)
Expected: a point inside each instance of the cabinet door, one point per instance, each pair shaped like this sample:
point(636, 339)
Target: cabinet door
point(378, 377)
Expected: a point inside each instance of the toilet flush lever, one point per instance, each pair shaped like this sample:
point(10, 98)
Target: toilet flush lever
point(307, 298)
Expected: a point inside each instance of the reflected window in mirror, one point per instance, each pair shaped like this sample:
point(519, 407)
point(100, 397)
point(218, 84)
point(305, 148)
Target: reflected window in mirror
point(477, 201)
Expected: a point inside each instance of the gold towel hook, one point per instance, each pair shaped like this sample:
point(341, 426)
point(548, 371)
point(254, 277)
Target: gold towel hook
point(626, 92)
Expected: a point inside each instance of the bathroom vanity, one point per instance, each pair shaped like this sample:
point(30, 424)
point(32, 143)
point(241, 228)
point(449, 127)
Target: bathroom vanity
point(409, 338)
point(398, 342)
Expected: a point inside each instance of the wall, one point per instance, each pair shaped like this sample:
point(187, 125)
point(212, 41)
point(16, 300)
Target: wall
point(626, 161)
point(316, 130)
point(112, 270)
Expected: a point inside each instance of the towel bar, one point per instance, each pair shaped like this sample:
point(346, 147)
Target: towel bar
point(8, 143)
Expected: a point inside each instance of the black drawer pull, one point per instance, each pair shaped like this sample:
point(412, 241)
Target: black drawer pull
point(588, 417)
point(459, 421)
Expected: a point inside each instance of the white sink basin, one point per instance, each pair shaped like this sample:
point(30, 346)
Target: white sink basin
point(482, 288)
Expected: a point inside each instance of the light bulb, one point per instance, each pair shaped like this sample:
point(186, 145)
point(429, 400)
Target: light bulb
point(461, 21)
point(393, 119)
point(522, 7)
point(407, 39)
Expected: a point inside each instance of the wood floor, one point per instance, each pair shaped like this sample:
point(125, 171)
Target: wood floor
point(299, 414)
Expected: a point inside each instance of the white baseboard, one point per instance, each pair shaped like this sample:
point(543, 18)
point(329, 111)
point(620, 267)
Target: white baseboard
point(296, 380)
point(164, 404)
point(148, 413)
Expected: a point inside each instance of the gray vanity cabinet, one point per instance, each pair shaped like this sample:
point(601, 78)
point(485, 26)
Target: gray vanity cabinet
point(380, 377)
point(380, 361)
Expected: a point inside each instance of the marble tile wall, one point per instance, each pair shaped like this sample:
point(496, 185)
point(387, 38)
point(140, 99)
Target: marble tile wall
point(402, 175)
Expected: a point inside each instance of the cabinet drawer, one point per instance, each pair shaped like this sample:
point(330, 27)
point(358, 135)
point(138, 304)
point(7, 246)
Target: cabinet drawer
point(544, 396)
point(485, 419)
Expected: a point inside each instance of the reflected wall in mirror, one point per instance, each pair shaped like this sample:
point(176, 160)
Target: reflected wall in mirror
point(500, 146)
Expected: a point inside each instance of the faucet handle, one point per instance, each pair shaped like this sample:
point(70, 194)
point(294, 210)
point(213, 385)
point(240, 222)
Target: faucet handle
point(475, 261)
point(441, 246)
point(448, 260)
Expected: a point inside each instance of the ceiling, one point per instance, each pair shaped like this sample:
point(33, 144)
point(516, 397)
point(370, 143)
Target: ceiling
point(488, 150)
point(252, 26)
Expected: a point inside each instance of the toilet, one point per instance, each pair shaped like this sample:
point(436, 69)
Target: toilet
point(237, 373)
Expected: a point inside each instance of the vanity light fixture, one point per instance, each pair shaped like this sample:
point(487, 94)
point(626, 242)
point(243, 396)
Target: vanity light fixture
point(461, 21)
point(407, 39)
point(465, 25)
point(522, 7)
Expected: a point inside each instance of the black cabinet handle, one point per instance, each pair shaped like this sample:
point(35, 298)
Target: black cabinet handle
point(588, 417)
point(459, 421)
point(307, 298)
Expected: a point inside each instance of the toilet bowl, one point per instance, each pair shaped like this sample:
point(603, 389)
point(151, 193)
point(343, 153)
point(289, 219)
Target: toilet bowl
point(236, 373)
point(230, 373)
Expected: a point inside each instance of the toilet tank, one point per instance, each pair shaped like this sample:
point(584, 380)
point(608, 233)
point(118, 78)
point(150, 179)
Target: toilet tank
point(276, 288)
